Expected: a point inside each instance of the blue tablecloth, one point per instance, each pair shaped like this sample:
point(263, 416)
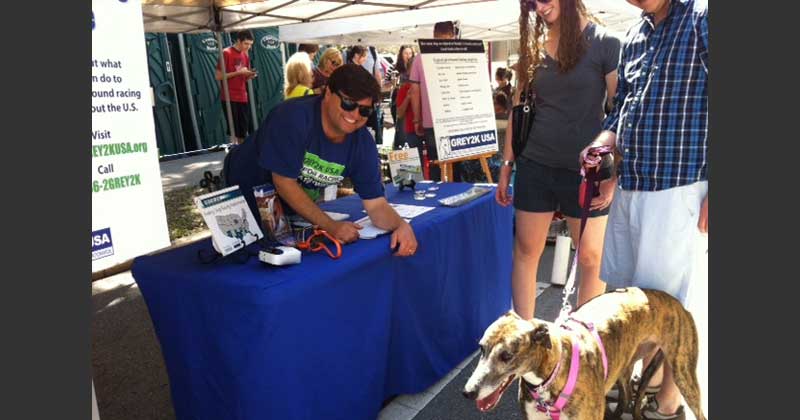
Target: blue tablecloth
point(330, 339)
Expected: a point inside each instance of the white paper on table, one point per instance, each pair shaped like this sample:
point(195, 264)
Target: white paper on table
point(298, 220)
point(410, 211)
point(368, 230)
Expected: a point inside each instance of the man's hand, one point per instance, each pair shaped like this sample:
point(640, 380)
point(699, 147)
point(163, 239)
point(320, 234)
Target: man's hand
point(590, 160)
point(404, 239)
point(418, 129)
point(501, 194)
point(606, 194)
point(702, 223)
point(344, 232)
point(605, 138)
point(247, 73)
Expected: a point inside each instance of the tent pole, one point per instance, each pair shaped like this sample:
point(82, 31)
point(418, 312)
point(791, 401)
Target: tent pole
point(171, 68)
point(192, 111)
point(252, 102)
point(231, 128)
point(489, 61)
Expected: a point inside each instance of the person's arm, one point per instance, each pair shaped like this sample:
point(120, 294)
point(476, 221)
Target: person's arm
point(401, 109)
point(416, 106)
point(291, 192)
point(241, 72)
point(501, 195)
point(385, 217)
point(415, 78)
point(611, 88)
point(608, 137)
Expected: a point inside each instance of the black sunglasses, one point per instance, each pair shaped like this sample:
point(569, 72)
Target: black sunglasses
point(349, 105)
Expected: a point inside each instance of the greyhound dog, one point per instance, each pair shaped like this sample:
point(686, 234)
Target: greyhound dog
point(586, 355)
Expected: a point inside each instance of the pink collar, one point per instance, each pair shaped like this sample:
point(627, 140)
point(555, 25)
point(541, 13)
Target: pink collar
point(555, 409)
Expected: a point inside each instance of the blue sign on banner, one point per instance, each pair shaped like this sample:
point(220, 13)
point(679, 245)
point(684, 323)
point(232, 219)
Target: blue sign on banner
point(467, 141)
point(102, 245)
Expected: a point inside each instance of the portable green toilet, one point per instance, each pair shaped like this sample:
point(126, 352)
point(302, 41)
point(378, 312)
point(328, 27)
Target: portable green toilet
point(166, 112)
point(265, 56)
point(201, 53)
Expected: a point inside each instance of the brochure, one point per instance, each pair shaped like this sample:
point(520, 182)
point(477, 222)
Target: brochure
point(405, 166)
point(273, 219)
point(230, 220)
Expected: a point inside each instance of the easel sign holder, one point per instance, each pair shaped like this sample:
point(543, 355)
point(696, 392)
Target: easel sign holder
point(460, 99)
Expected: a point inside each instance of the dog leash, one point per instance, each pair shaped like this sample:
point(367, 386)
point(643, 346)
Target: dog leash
point(554, 411)
point(588, 189)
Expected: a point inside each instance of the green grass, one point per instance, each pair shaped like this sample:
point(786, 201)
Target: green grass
point(183, 218)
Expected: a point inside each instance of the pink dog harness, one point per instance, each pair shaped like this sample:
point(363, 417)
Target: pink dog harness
point(554, 410)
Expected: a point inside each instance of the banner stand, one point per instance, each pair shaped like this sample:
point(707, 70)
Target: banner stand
point(447, 166)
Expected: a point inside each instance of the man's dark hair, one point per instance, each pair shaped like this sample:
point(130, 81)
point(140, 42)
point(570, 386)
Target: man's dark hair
point(354, 51)
point(355, 82)
point(244, 36)
point(311, 49)
point(503, 73)
point(444, 28)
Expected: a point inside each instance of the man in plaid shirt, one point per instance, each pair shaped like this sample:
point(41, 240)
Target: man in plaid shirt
point(659, 125)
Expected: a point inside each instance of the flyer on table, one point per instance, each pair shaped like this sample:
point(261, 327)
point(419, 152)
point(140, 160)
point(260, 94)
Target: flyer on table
point(460, 95)
point(128, 215)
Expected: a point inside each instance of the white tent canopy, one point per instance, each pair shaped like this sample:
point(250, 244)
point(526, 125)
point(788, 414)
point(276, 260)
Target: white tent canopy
point(231, 15)
point(488, 21)
point(355, 21)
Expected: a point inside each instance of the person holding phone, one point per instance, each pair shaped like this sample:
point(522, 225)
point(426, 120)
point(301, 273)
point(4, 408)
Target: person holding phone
point(237, 73)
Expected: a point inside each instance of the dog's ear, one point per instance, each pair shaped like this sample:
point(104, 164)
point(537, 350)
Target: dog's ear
point(541, 335)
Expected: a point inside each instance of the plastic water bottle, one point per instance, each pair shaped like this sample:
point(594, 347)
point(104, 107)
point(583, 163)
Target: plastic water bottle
point(561, 256)
point(426, 164)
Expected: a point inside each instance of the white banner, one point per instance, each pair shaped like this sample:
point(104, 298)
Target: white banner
point(128, 216)
point(460, 96)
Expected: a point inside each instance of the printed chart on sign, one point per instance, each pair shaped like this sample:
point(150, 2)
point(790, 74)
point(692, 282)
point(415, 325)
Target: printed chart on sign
point(459, 91)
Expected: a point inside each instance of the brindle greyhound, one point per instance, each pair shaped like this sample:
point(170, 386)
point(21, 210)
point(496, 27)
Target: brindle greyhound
point(631, 323)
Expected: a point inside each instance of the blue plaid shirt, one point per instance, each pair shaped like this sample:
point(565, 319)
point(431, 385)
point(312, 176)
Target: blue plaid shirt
point(660, 111)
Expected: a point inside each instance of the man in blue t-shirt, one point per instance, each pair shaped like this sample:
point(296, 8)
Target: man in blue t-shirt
point(308, 143)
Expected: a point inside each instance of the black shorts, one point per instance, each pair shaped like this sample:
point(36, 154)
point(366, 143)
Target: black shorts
point(241, 118)
point(539, 188)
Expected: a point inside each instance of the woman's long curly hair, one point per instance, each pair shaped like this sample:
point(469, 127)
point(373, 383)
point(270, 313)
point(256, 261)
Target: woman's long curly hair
point(571, 43)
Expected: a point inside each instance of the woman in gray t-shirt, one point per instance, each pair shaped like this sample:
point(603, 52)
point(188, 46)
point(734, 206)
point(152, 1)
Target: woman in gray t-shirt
point(571, 63)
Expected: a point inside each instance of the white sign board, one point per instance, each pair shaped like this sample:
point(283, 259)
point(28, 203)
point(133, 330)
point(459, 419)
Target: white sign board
point(128, 216)
point(460, 97)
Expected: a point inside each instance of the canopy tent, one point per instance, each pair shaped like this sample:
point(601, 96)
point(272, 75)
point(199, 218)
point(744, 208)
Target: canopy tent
point(190, 16)
point(496, 21)
point(348, 22)
point(344, 22)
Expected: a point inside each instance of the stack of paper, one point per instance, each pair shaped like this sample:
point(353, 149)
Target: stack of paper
point(369, 231)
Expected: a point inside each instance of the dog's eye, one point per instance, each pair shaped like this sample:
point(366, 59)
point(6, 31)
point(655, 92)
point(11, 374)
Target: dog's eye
point(506, 356)
point(483, 352)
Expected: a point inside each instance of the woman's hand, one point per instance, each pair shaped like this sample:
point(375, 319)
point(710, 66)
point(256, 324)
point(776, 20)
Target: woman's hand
point(501, 194)
point(606, 194)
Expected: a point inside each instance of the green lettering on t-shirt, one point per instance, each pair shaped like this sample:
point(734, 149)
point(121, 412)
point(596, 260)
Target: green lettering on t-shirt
point(318, 173)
